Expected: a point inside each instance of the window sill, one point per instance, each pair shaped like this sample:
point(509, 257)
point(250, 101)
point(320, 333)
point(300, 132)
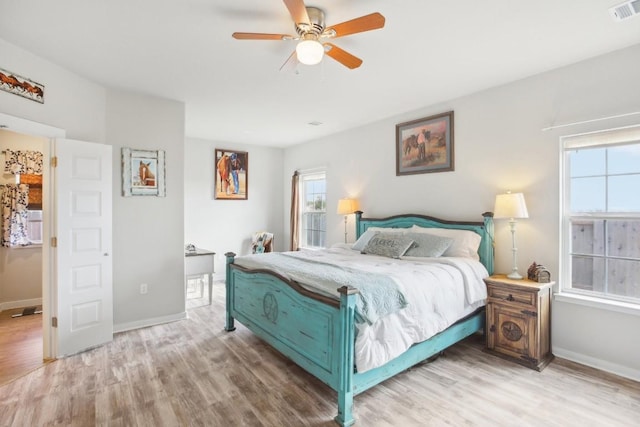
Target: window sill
point(31, 246)
point(588, 301)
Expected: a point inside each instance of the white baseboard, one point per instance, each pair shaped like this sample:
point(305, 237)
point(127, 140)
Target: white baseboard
point(122, 327)
point(20, 304)
point(603, 365)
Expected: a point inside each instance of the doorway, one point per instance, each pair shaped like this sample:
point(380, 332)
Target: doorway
point(21, 268)
point(77, 284)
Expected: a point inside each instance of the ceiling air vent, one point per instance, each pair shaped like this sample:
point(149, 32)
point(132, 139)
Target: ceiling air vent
point(625, 10)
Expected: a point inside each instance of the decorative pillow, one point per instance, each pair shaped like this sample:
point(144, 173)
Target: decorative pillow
point(364, 239)
point(392, 245)
point(427, 245)
point(372, 231)
point(465, 242)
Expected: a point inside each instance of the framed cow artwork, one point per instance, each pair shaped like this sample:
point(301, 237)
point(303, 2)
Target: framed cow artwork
point(231, 175)
point(425, 145)
point(143, 173)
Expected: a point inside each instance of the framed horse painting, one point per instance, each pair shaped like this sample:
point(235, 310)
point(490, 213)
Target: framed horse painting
point(22, 86)
point(143, 173)
point(231, 175)
point(425, 145)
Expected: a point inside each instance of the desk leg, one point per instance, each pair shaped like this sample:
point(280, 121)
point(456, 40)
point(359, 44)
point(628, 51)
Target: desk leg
point(210, 278)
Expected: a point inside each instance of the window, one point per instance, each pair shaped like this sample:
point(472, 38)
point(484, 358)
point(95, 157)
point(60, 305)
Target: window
point(34, 218)
point(601, 215)
point(313, 209)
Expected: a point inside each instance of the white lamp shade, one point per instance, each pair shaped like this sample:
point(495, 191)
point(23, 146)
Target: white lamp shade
point(347, 206)
point(309, 52)
point(510, 205)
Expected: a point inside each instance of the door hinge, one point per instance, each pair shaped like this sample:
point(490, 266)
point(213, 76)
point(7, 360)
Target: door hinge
point(54, 161)
point(529, 313)
point(54, 322)
point(54, 242)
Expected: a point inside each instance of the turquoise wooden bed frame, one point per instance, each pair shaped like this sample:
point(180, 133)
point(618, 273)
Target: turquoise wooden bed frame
point(318, 333)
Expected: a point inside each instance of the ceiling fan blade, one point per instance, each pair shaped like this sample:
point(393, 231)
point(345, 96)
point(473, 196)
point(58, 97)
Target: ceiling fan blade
point(358, 25)
point(291, 64)
point(260, 36)
point(298, 11)
point(342, 56)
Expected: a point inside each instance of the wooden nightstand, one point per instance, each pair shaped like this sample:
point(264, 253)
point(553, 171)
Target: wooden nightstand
point(519, 320)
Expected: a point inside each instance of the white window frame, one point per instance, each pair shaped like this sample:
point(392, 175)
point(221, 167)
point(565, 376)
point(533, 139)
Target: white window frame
point(32, 242)
point(611, 137)
point(305, 177)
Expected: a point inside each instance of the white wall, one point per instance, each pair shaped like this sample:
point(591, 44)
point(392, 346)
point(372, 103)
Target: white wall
point(227, 225)
point(70, 101)
point(20, 268)
point(499, 145)
point(147, 249)
point(148, 231)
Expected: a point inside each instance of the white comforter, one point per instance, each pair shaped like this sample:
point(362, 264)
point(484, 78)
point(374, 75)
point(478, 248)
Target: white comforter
point(439, 292)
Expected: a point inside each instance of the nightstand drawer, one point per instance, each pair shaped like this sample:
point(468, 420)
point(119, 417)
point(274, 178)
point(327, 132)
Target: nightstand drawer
point(512, 295)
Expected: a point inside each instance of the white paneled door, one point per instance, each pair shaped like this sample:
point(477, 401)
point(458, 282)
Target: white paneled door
point(83, 258)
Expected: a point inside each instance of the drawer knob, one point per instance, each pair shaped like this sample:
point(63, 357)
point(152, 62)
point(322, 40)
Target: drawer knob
point(510, 298)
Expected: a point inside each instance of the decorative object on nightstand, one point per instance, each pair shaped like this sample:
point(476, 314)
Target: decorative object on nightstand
point(347, 207)
point(519, 320)
point(511, 205)
point(538, 273)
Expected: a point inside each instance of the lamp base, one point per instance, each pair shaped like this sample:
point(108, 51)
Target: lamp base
point(514, 275)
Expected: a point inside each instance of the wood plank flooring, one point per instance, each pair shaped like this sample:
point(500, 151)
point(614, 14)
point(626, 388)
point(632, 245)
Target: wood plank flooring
point(192, 373)
point(20, 344)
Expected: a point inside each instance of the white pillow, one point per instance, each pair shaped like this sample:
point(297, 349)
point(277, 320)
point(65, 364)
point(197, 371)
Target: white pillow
point(465, 242)
point(388, 230)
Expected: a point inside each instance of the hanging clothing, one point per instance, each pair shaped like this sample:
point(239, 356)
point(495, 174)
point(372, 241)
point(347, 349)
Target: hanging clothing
point(14, 215)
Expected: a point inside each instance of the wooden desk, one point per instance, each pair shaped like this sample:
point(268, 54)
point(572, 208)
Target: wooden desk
point(200, 262)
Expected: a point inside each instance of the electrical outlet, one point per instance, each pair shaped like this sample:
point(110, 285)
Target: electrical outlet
point(143, 288)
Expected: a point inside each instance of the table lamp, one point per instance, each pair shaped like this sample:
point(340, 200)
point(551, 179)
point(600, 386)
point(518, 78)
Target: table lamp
point(347, 207)
point(511, 205)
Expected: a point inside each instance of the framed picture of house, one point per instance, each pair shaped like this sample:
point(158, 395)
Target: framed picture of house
point(425, 145)
point(231, 175)
point(143, 173)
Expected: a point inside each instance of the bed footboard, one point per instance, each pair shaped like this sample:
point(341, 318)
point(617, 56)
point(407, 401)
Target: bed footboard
point(316, 332)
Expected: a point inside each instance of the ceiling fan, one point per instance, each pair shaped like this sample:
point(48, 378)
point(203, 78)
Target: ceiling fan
point(311, 31)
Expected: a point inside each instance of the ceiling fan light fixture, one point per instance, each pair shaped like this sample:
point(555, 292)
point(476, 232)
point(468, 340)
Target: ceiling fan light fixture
point(309, 52)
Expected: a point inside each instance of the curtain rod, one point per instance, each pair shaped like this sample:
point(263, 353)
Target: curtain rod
point(590, 121)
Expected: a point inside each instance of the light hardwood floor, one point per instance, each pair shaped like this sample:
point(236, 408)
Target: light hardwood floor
point(20, 344)
point(192, 373)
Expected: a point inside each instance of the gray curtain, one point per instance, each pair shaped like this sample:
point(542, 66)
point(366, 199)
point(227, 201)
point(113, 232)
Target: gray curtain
point(295, 211)
point(13, 202)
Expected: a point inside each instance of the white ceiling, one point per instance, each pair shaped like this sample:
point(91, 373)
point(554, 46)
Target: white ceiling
point(428, 52)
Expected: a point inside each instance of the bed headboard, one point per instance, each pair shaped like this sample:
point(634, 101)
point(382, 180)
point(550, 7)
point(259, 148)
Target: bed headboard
point(484, 229)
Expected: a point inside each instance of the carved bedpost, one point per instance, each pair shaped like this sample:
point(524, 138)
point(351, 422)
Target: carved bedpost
point(229, 326)
point(347, 336)
point(358, 218)
point(488, 250)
